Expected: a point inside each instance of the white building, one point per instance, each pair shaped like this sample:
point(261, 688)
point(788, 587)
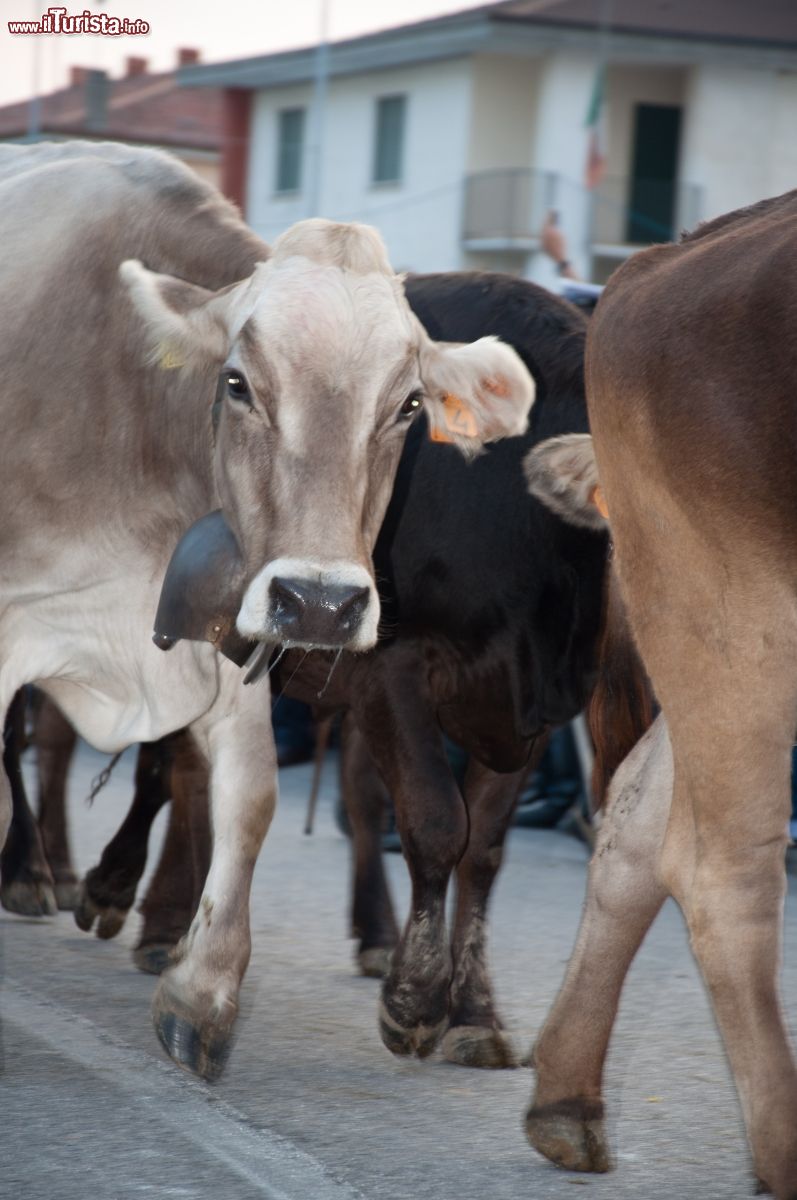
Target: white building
point(456, 135)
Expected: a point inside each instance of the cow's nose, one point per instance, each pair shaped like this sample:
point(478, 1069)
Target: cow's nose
point(316, 614)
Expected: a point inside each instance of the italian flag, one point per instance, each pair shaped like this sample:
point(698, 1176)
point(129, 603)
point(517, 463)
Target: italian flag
point(595, 167)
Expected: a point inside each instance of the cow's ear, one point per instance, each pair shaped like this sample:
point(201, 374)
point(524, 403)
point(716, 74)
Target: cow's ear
point(563, 474)
point(475, 393)
point(184, 321)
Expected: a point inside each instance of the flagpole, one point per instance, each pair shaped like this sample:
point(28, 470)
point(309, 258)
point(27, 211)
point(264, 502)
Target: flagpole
point(320, 90)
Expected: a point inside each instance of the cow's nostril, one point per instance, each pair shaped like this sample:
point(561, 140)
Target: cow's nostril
point(314, 613)
point(351, 609)
point(289, 598)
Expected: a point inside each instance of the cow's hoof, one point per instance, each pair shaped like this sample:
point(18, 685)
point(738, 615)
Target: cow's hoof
point(476, 1046)
point(29, 898)
point(761, 1188)
point(154, 958)
point(570, 1134)
point(374, 963)
point(418, 1040)
point(67, 894)
point(109, 918)
point(199, 1044)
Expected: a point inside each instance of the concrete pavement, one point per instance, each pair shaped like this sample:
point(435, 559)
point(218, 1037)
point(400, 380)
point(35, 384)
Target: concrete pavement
point(311, 1105)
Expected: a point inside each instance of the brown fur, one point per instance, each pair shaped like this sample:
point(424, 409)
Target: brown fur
point(621, 706)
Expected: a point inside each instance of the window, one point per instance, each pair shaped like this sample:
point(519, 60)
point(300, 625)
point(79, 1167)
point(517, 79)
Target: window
point(290, 149)
point(389, 140)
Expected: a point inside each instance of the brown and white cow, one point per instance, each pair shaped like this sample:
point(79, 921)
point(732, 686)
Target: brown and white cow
point(132, 297)
point(691, 370)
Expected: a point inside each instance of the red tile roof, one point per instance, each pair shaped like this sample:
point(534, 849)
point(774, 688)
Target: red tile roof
point(139, 108)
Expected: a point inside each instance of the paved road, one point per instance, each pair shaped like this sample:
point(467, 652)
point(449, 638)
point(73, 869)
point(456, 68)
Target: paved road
point(312, 1107)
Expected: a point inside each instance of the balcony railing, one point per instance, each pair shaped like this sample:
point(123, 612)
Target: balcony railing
point(506, 206)
point(636, 212)
point(505, 209)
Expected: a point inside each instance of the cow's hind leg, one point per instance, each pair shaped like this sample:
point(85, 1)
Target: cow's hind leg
point(715, 617)
point(364, 796)
point(109, 889)
point(55, 742)
point(399, 725)
point(173, 894)
point(624, 894)
point(26, 882)
point(723, 860)
point(475, 1037)
point(196, 1002)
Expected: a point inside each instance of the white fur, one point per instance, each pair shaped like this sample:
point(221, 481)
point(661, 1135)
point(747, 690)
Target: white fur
point(255, 618)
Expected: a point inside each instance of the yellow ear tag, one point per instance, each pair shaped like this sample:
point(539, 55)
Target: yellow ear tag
point(597, 498)
point(459, 420)
point(168, 360)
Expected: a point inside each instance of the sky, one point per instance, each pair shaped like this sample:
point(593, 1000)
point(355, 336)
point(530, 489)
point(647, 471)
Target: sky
point(221, 29)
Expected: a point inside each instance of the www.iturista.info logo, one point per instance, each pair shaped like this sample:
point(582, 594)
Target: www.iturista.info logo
point(58, 20)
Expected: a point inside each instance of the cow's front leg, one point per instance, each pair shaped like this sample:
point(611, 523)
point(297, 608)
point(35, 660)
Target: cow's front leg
point(475, 1037)
point(196, 1002)
point(55, 741)
point(26, 882)
point(624, 894)
point(401, 730)
point(364, 796)
point(109, 889)
point(175, 890)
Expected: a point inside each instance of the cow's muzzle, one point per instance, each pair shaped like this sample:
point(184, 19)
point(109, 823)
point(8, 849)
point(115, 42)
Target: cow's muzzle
point(313, 603)
point(304, 612)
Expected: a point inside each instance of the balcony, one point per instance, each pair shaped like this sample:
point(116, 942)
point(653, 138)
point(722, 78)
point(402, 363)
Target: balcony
point(628, 213)
point(505, 209)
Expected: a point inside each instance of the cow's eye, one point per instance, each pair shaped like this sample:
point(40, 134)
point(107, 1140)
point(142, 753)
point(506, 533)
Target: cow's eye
point(413, 404)
point(237, 387)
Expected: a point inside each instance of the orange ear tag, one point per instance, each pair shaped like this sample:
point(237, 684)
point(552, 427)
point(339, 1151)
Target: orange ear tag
point(458, 418)
point(597, 498)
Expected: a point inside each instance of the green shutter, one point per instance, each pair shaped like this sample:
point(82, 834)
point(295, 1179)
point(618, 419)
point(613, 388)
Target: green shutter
point(389, 141)
point(290, 149)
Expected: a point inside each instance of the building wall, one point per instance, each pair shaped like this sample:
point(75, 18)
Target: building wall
point(782, 135)
point(419, 217)
point(504, 96)
point(207, 168)
point(739, 142)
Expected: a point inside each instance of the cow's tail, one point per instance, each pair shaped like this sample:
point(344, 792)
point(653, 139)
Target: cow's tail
point(621, 707)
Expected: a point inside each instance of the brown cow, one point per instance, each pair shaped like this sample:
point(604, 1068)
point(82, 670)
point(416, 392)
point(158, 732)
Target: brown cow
point(691, 370)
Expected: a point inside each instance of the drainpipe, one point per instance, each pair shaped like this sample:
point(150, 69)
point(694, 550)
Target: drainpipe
point(235, 145)
point(320, 90)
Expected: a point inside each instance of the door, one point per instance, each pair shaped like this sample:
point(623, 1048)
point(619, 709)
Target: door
point(654, 168)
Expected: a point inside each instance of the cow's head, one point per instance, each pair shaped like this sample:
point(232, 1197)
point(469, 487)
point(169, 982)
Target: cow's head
point(322, 367)
point(563, 474)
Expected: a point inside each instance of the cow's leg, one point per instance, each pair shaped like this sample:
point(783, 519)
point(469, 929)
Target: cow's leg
point(724, 863)
point(26, 883)
point(109, 889)
point(719, 639)
point(364, 795)
point(475, 1037)
point(176, 887)
point(196, 1002)
point(399, 724)
point(55, 742)
point(624, 894)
